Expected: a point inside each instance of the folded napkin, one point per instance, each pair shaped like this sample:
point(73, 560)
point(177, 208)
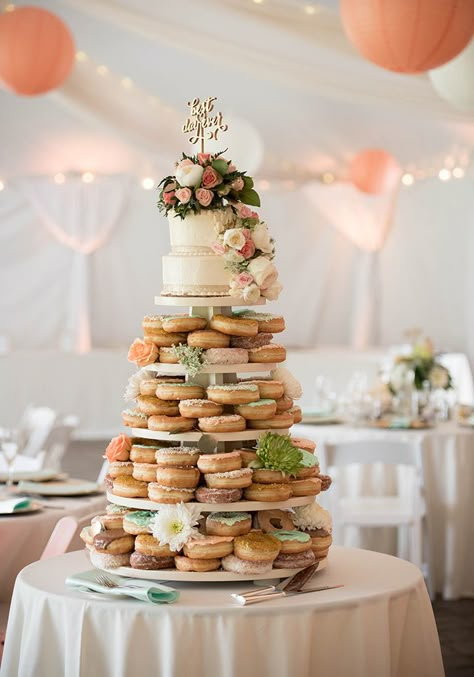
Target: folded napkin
point(11, 505)
point(146, 591)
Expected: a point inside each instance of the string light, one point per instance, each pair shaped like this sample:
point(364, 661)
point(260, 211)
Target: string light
point(59, 178)
point(327, 178)
point(2, 185)
point(444, 174)
point(87, 177)
point(258, 2)
point(127, 83)
point(10, 7)
point(148, 183)
point(458, 172)
point(102, 70)
point(408, 179)
point(81, 56)
point(310, 9)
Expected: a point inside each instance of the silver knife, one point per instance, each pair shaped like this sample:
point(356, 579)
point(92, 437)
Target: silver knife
point(245, 600)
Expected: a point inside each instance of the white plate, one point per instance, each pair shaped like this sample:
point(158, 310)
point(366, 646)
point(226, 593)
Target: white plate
point(33, 475)
point(70, 487)
point(33, 507)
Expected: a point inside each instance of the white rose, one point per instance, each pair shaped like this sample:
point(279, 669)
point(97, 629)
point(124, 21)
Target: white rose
point(234, 238)
point(250, 293)
point(189, 175)
point(233, 256)
point(439, 376)
point(273, 291)
point(263, 271)
point(261, 238)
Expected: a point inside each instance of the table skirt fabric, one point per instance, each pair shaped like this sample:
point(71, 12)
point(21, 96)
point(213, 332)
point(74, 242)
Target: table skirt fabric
point(379, 625)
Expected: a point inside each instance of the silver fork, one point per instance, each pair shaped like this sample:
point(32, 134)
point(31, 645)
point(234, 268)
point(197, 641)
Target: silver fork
point(109, 583)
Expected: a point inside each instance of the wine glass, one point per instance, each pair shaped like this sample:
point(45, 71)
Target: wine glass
point(9, 448)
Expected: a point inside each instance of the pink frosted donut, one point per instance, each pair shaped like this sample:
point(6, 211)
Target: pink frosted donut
point(104, 560)
point(205, 495)
point(226, 356)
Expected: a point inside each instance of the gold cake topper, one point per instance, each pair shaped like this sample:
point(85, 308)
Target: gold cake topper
point(203, 121)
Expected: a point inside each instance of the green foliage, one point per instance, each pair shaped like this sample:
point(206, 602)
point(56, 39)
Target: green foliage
point(190, 357)
point(277, 452)
point(249, 196)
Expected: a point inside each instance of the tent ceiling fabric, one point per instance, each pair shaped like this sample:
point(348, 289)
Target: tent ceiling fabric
point(294, 77)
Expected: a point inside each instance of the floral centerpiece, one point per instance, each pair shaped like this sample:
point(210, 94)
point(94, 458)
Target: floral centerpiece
point(421, 366)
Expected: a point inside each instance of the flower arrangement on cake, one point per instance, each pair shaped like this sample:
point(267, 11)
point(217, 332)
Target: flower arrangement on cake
point(420, 366)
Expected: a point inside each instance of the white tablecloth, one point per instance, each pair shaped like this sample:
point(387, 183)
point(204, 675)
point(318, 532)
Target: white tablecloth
point(23, 537)
point(379, 625)
point(448, 469)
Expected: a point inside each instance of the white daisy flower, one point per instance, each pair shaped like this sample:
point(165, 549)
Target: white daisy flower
point(176, 524)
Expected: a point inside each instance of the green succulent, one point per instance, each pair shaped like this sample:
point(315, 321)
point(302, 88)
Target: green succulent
point(277, 452)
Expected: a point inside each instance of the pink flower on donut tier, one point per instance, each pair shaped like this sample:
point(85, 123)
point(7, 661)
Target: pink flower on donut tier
point(203, 158)
point(263, 271)
point(183, 195)
point(243, 279)
point(243, 211)
point(204, 196)
point(142, 353)
point(118, 448)
point(248, 250)
point(218, 248)
point(169, 198)
point(210, 178)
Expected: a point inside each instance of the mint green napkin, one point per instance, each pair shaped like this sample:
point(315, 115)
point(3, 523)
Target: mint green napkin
point(146, 591)
point(11, 505)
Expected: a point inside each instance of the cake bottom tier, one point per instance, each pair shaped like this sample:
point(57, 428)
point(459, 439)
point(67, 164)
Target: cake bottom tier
point(195, 275)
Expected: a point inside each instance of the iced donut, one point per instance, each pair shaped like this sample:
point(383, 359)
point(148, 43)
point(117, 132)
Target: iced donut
point(105, 560)
point(215, 496)
point(180, 391)
point(326, 481)
point(149, 545)
point(241, 566)
point(165, 339)
point(194, 564)
point(268, 388)
point(152, 324)
point(321, 541)
point(168, 457)
point(149, 562)
point(266, 476)
point(153, 406)
point(233, 393)
point(297, 560)
point(113, 541)
point(228, 523)
point(118, 468)
point(161, 494)
point(221, 424)
point(284, 403)
point(141, 453)
point(262, 409)
point(138, 522)
point(113, 509)
point(247, 456)
point(267, 492)
point(171, 424)
point(146, 472)
point(208, 338)
point(292, 541)
point(184, 477)
point(303, 443)
point(134, 418)
point(256, 547)
point(308, 487)
point(283, 420)
point(183, 323)
point(199, 408)
point(234, 479)
point(168, 356)
point(209, 547)
point(273, 352)
point(128, 487)
point(296, 413)
point(248, 342)
point(266, 321)
point(211, 463)
point(234, 326)
point(227, 356)
point(271, 520)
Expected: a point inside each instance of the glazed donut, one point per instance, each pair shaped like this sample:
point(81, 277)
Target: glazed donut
point(107, 521)
point(262, 409)
point(209, 547)
point(199, 408)
point(297, 560)
point(321, 541)
point(234, 479)
point(296, 413)
point(180, 391)
point(283, 420)
point(222, 424)
point(183, 323)
point(146, 472)
point(165, 339)
point(139, 453)
point(256, 547)
point(113, 541)
point(227, 356)
point(292, 541)
point(242, 566)
point(234, 326)
point(307, 471)
point(233, 393)
point(266, 321)
point(134, 418)
point(152, 324)
point(208, 338)
point(273, 352)
point(206, 495)
point(153, 406)
point(308, 487)
point(200, 565)
point(271, 520)
point(149, 562)
point(148, 386)
point(228, 523)
point(210, 463)
point(160, 494)
point(168, 356)
point(326, 481)
point(284, 403)
point(171, 424)
point(267, 492)
point(266, 476)
point(303, 443)
point(128, 487)
point(179, 477)
point(149, 545)
point(103, 560)
point(247, 456)
point(117, 468)
point(269, 389)
point(138, 522)
point(168, 457)
point(248, 342)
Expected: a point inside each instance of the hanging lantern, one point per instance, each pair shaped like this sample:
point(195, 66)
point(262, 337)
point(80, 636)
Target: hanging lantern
point(374, 171)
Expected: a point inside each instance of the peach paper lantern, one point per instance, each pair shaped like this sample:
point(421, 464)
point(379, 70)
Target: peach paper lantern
point(36, 51)
point(408, 36)
point(374, 171)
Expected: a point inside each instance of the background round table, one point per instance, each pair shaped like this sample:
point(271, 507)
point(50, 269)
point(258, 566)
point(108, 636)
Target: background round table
point(379, 625)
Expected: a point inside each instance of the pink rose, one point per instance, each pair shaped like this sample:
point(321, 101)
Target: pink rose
point(243, 279)
point(243, 211)
point(169, 198)
point(231, 168)
point(142, 353)
point(246, 233)
point(218, 248)
point(254, 215)
point(183, 195)
point(238, 183)
point(118, 448)
point(248, 250)
point(204, 197)
point(203, 158)
point(184, 163)
point(210, 178)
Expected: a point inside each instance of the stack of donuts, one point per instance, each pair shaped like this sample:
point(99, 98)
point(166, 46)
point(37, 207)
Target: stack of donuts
point(238, 542)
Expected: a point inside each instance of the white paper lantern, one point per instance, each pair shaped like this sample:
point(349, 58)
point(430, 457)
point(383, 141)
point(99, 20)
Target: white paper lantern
point(454, 81)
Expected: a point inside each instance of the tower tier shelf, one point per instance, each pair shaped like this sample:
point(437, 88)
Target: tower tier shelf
point(206, 301)
point(196, 436)
point(239, 506)
point(178, 369)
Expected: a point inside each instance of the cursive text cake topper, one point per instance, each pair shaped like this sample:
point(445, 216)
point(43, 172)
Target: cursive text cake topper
point(203, 121)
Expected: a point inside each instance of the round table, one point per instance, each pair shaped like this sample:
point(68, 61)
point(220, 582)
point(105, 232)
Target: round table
point(23, 536)
point(380, 624)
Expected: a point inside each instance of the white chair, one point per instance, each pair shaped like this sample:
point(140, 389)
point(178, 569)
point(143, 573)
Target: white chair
point(33, 429)
point(57, 442)
point(103, 472)
point(404, 510)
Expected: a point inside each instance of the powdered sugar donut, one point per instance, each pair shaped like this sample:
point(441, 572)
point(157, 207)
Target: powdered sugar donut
point(221, 424)
point(240, 566)
point(227, 356)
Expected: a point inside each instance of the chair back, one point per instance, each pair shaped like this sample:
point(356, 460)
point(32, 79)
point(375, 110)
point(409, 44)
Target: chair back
point(33, 429)
point(57, 442)
point(103, 471)
point(366, 452)
point(60, 538)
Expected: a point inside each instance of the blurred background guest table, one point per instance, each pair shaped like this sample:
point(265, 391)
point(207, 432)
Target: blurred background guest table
point(380, 624)
point(446, 452)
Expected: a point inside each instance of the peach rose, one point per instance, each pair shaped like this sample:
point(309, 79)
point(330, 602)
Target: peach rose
point(203, 158)
point(183, 195)
point(248, 250)
point(243, 211)
point(210, 178)
point(204, 196)
point(142, 353)
point(243, 279)
point(230, 168)
point(118, 448)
